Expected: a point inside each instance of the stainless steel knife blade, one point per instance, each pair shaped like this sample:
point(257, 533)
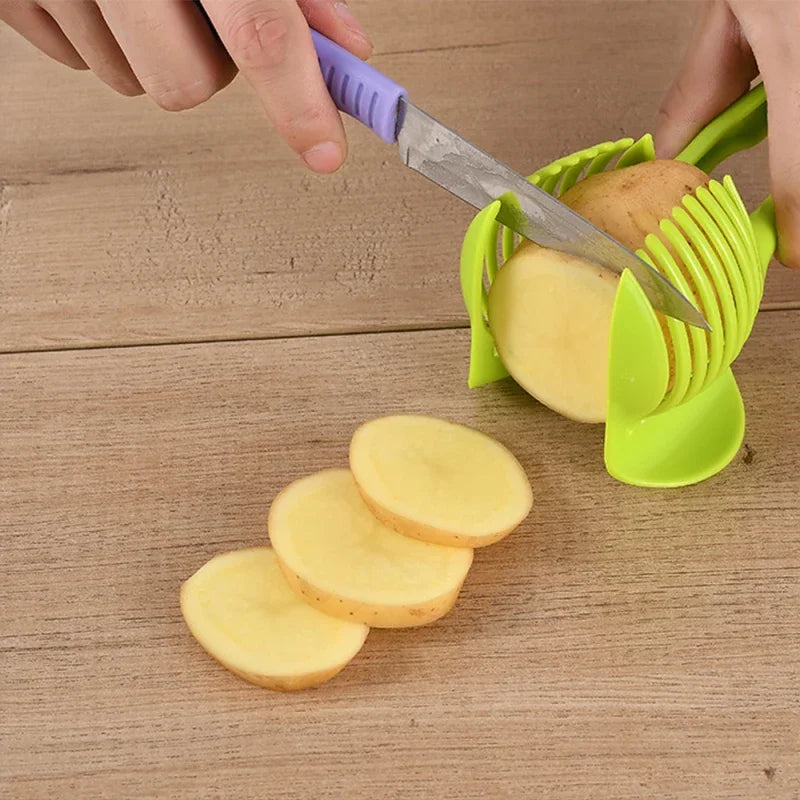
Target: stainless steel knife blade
point(441, 155)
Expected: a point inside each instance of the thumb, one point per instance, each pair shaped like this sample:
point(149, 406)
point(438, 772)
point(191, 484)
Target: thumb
point(716, 71)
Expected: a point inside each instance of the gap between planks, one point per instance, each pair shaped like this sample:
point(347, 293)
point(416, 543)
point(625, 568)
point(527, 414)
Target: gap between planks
point(234, 339)
point(772, 307)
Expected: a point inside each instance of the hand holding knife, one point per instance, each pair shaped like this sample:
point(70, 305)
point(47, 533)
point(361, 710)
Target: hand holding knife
point(450, 161)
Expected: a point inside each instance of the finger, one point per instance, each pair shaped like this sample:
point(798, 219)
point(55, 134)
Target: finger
point(334, 19)
point(271, 44)
point(83, 24)
point(171, 50)
point(717, 69)
point(774, 41)
point(41, 30)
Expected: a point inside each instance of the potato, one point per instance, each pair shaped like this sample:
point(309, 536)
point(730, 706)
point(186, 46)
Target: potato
point(643, 195)
point(346, 563)
point(439, 481)
point(241, 610)
point(629, 203)
point(550, 313)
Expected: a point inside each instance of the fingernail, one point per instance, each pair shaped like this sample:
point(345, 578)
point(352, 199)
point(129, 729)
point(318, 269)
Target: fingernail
point(347, 16)
point(325, 157)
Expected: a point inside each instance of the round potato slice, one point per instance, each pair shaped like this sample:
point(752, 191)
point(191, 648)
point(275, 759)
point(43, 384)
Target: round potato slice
point(550, 316)
point(439, 481)
point(345, 562)
point(242, 611)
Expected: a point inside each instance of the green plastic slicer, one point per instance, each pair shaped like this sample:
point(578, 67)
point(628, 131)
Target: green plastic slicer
point(659, 434)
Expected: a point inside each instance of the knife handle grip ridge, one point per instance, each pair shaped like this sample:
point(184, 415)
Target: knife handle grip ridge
point(358, 89)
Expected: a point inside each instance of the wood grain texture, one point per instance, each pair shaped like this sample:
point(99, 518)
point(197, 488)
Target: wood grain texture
point(623, 643)
point(122, 224)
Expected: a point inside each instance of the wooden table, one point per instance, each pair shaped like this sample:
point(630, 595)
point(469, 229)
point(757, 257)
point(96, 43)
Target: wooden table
point(188, 321)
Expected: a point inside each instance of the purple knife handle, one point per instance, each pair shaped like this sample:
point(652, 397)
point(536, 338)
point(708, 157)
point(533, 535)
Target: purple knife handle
point(358, 89)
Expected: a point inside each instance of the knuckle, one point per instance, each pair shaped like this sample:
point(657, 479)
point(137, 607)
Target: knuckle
point(303, 124)
point(665, 113)
point(258, 37)
point(309, 118)
point(674, 100)
point(680, 96)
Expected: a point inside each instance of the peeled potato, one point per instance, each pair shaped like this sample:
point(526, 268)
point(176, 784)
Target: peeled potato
point(439, 481)
point(550, 313)
point(242, 611)
point(345, 562)
point(550, 317)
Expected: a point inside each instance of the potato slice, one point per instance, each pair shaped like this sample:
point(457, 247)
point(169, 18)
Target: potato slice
point(439, 481)
point(550, 316)
point(242, 611)
point(345, 562)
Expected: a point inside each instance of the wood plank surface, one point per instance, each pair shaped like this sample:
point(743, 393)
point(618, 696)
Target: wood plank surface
point(623, 643)
point(188, 321)
point(122, 224)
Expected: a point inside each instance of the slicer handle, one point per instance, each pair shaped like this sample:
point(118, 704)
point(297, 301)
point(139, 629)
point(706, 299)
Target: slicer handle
point(740, 126)
point(359, 89)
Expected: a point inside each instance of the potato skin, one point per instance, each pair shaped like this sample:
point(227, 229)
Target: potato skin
point(629, 203)
point(378, 616)
point(428, 533)
point(291, 683)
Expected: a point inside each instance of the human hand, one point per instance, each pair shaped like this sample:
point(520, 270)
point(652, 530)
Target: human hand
point(167, 50)
point(733, 42)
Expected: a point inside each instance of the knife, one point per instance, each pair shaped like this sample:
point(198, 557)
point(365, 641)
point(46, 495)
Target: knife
point(447, 159)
